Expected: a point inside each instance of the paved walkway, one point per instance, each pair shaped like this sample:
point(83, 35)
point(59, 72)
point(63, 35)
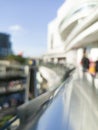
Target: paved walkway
point(51, 76)
point(83, 111)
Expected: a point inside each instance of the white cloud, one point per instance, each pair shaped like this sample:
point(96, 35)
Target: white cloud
point(15, 28)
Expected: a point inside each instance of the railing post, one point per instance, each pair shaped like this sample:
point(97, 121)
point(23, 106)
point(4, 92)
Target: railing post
point(33, 83)
point(27, 72)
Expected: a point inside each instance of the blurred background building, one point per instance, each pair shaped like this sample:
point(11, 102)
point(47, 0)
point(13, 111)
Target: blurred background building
point(5, 45)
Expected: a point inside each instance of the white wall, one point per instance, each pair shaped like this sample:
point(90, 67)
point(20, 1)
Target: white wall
point(54, 36)
point(71, 57)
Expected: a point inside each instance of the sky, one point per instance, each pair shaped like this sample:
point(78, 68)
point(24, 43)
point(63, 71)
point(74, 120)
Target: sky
point(26, 21)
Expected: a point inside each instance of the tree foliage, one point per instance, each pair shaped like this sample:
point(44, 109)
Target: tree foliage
point(17, 58)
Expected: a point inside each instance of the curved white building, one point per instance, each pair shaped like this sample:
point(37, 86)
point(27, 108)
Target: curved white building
point(74, 28)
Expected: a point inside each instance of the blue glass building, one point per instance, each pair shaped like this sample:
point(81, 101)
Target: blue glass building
point(5, 45)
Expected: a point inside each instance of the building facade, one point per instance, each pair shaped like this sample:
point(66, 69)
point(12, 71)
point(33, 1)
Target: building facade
point(74, 28)
point(5, 45)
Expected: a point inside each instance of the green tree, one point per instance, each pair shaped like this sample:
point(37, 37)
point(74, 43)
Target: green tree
point(17, 58)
